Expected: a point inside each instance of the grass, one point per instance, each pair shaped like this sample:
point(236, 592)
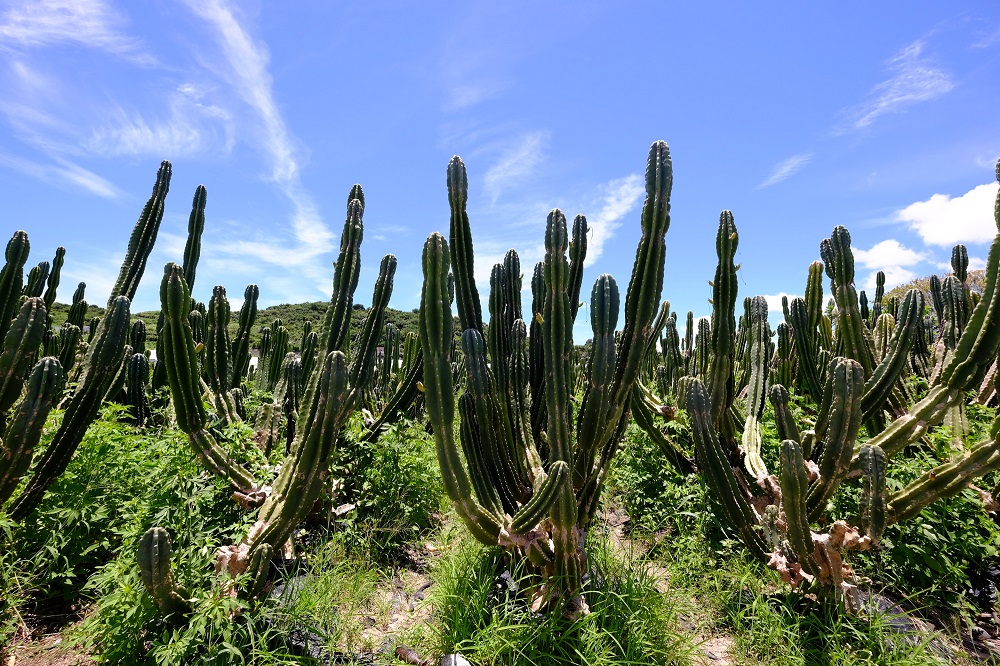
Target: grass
point(482, 612)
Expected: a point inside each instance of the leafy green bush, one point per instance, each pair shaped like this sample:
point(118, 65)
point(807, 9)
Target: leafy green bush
point(394, 484)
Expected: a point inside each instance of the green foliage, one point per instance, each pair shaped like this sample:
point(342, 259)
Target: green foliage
point(394, 485)
point(482, 618)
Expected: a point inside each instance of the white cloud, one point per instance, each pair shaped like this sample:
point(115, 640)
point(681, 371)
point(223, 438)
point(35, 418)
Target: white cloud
point(888, 253)
point(915, 79)
point(516, 163)
point(63, 170)
point(245, 66)
point(944, 220)
point(892, 258)
point(618, 198)
point(894, 276)
point(89, 23)
point(191, 127)
point(785, 169)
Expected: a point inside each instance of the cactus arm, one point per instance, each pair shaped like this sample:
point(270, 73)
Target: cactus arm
point(805, 347)
point(324, 409)
point(488, 422)
point(642, 298)
point(404, 396)
point(852, 332)
point(643, 416)
point(12, 278)
point(718, 473)
point(837, 426)
point(45, 384)
point(337, 322)
point(536, 353)
point(794, 482)
point(143, 236)
point(52, 284)
point(436, 337)
point(760, 338)
point(479, 472)
point(577, 257)
point(20, 347)
point(538, 506)
point(783, 419)
point(104, 358)
point(890, 369)
point(720, 381)
point(154, 567)
point(604, 306)
point(218, 346)
point(364, 360)
point(470, 312)
point(945, 480)
point(873, 498)
point(241, 344)
point(196, 227)
point(181, 362)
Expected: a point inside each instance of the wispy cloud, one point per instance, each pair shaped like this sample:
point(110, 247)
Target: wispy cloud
point(63, 170)
point(192, 126)
point(516, 163)
point(785, 169)
point(88, 23)
point(944, 221)
point(915, 79)
point(245, 66)
point(987, 39)
point(618, 197)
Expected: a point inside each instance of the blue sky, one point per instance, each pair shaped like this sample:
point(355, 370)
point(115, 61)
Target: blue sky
point(795, 116)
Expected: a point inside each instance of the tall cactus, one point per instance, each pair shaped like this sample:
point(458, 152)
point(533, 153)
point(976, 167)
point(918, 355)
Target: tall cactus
point(180, 361)
point(815, 460)
point(105, 355)
point(140, 245)
point(532, 483)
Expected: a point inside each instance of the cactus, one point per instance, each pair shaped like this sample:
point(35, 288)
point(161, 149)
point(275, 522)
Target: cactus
point(12, 278)
point(137, 383)
point(143, 236)
point(78, 310)
point(103, 361)
point(196, 227)
point(52, 284)
point(523, 459)
point(154, 567)
point(849, 395)
point(24, 429)
point(241, 343)
point(181, 364)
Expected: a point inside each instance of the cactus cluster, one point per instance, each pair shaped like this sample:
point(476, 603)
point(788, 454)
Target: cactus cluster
point(530, 471)
point(850, 365)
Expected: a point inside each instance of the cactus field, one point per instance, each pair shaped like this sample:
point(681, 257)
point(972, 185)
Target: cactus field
point(814, 480)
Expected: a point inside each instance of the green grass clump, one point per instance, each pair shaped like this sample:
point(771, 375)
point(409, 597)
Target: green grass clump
point(478, 615)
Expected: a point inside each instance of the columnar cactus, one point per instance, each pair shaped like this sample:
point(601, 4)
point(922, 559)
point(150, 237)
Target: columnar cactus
point(241, 344)
point(814, 461)
point(536, 494)
point(103, 361)
point(154, 567)
point(180, 361)
point(143, 236)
